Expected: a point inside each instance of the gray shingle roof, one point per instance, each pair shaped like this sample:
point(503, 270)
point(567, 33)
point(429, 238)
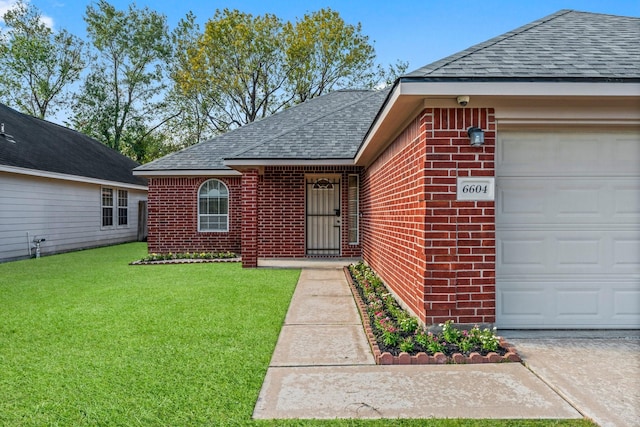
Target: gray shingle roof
point(44, 146)
point(564, 46)
point(325, 128)
point(567, 45)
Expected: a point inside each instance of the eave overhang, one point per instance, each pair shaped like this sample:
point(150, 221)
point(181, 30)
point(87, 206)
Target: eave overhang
point(249, 163)
point(73, 178)
point(410, 95)
point(186, 172)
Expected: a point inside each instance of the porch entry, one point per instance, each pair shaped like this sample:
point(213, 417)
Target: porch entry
point(323, 215)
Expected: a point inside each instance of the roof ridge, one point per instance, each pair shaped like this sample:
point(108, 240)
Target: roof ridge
point(498, 39)
point(303, 123)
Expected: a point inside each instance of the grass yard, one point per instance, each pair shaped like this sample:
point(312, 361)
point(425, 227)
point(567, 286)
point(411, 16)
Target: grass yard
point(86, 339)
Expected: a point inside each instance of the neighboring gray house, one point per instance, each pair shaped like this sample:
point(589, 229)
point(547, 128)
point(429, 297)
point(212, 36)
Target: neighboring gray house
point(59, 185)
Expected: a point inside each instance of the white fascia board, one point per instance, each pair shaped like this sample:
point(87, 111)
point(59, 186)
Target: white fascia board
point(187, 172)
point(497, 89)
point(519, 88)
point(395, 94)
point(74, 178)
point(289, 162)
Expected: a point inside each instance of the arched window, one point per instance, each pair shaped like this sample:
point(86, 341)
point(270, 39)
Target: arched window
point(213, 206)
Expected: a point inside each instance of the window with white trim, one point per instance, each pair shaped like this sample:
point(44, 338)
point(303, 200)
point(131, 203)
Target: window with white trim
point(115, 207)
point(213, 206)
point(107, 207)
point(354, 209)
point(123, 207)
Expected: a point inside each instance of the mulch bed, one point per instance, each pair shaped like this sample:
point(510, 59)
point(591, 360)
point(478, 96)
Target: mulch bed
point(384, 356)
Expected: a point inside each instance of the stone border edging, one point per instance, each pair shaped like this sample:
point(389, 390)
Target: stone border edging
point(422, 358)
point(185, 261)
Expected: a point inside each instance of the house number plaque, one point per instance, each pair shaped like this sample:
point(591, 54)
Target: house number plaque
point(476, 188)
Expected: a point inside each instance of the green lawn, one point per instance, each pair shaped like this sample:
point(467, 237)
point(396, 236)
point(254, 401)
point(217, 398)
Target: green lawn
point(86, 339)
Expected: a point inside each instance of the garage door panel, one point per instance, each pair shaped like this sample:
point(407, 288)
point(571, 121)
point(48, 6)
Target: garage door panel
point(626, 305)
point(568, 201)
point(568, 153)
point(579, 301)
point(578, 200)
point(623, 153)
point(522, 198)
point(626, 200)
point(574, 253)
point(568, 252)
point(527, 303)
point(626, 253)
point(568, 229)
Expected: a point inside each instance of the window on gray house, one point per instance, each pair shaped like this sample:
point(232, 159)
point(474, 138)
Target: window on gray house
point(107, 207)
point(123, 207)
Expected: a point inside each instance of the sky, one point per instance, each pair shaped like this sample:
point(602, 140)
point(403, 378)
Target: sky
point(418, 32)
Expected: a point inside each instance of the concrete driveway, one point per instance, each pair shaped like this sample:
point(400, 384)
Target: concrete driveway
point(596, 372)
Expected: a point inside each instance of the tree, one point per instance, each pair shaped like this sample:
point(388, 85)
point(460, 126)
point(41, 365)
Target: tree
point(190, 95)
point(124, 89)
point(243, 67)
point(323, 52)
point(37, 65)
point(236, 68)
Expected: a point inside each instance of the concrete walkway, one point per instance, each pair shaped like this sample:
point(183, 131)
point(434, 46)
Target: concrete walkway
point(322, 368)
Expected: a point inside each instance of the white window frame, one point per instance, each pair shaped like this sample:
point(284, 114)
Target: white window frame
point(218, 215)
point(115, 207)
point(124, 206)
point(110, 208)
point(353, 218)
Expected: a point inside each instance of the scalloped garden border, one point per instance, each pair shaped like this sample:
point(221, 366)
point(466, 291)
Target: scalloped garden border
point(422, 358)
point(185, 261)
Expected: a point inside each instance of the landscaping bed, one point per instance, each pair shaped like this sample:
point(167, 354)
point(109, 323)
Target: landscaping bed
point(396, 337)
point(187, 258)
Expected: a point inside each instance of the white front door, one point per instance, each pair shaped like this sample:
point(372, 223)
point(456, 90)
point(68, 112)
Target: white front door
point(568, 229)
point(323, 215)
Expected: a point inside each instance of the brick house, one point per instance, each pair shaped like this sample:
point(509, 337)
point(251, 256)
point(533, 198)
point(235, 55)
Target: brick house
point(538, 226)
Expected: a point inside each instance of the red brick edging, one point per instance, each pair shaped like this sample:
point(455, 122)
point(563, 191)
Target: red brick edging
point(422, 358)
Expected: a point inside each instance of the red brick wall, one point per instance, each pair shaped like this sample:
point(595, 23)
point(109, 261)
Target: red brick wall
point(437, 254)
point(250, 180)
point(393, 212)
point(173, 217)
point(281, 229)
point(279, 203)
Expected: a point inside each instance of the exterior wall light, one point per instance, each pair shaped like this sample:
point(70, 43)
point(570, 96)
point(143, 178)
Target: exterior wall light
point(476, 136)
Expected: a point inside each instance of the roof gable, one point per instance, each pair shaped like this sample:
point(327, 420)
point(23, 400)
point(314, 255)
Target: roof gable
point(567, 45)
point(44, 146)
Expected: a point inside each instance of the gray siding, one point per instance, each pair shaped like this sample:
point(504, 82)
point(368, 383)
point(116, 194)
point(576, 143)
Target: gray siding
point(66, 213)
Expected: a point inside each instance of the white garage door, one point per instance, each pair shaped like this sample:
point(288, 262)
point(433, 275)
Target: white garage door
point(568, 230)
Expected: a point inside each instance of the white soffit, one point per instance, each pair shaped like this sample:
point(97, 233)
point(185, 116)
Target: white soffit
point(409, 96)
